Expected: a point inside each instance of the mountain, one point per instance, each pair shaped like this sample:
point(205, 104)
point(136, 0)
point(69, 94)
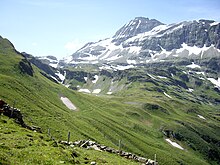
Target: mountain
point(134, 27)
point(166, 107)
point(145, 40)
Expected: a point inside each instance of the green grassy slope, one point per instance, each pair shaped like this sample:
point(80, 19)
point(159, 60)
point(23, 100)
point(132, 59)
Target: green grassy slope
point(21, 146)
point(103, 119)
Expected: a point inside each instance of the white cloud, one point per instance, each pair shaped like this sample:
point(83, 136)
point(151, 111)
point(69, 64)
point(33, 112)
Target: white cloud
point(73, 46)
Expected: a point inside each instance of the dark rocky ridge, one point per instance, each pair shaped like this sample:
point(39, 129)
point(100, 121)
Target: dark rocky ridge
point(43, 66)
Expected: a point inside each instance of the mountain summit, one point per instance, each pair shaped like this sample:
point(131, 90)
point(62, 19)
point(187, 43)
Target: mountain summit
point(143, 40)
point(134, 27)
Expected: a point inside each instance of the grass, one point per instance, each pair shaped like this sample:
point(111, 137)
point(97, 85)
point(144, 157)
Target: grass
point(21, 146)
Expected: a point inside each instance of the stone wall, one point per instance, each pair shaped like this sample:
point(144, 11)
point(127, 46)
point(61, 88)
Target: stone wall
point(88, 144)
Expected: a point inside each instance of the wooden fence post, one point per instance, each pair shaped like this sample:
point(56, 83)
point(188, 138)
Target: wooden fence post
point(68, 140)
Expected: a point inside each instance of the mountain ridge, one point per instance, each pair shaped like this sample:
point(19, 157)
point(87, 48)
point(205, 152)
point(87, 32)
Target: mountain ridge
point(145, 40)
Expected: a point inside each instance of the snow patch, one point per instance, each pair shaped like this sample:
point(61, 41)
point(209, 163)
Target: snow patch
point(178, 27)
point(153, 32)
point(151, 76)
point(107, 67)
point(96, 79)
point(131, 62)
point(96, 91)
point(214, 23)
point(192, 49)
point(174, 144)
point(139, 22)
point(167, 95)
point(84, 90)
point(67, 86)
point(62, 77)
point(215, 82)
point(193, 66)
point(201, 117)
point(203, 73)
point(190, 90)
point(68, 103)
point(53, 65)
point(162, 77)
point(120, 67)
point(109, 93)
point(134, 49)
point(54, 78)
point(86, 78)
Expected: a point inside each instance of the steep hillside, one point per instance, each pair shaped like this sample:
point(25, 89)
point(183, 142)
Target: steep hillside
point(21, 146)
point(149, 115)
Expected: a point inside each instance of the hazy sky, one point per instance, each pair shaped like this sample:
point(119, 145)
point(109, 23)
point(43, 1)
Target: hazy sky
point(59, 27)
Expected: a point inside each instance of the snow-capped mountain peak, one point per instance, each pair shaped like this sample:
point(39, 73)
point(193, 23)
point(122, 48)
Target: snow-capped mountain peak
point(144, 40)
point(136, 26)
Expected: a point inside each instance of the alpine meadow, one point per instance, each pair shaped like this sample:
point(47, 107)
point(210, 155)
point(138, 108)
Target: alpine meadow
point(150, 94)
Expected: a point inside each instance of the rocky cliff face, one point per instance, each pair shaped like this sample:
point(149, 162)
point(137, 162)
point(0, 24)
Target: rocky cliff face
point(134, 27)
point(145, 40)
point(196, 33)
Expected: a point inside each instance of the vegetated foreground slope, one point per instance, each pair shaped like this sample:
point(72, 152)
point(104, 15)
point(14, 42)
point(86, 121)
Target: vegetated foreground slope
point(141, 116)
point(21, 146)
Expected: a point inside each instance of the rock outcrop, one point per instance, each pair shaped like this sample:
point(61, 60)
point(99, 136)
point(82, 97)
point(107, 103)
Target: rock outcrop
point(16, 114)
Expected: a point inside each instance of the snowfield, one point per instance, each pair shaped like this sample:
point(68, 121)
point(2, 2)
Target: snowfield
point(109, 93)
point(62, 77)
point(68, 103)
point(96, 91)
point(193, 66)
point(167, 95)
point(84, 90)
point(215, 82)
point(174, 144)
point(96, 79)
point(201, 117)
point(190, 90)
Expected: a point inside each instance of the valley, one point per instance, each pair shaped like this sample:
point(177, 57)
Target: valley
point(155, 97)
